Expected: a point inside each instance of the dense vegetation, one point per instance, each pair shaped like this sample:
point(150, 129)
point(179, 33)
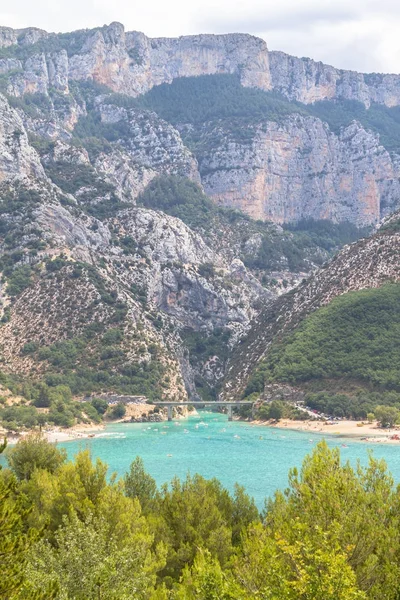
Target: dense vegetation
point(351, 343)
point(68, 531)
point(28, 404)
point(196, 100)
point(97, 360)
point(325, 234)
point(209, 97)
point(179, 197)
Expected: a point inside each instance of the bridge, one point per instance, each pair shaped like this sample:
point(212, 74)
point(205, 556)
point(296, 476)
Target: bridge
point(229, 405)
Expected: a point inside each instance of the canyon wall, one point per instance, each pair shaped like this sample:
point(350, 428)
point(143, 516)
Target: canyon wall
point(300, 169)
point(131, 63)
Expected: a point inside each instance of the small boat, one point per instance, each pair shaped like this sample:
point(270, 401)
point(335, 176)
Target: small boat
point(237, 437)
point(186, 431)
point(169, 455)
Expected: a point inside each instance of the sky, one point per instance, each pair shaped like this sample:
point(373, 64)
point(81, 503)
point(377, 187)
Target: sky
point(349, 34)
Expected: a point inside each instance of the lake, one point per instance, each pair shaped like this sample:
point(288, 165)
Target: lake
point(257, 457)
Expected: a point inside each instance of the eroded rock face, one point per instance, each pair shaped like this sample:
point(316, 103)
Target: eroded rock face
point(300, 169)
point(166, 275)
point(169, 268)
point(18, 160)
point(132, 63)
point(154, 144)
point(284, 171)
point(308, 81)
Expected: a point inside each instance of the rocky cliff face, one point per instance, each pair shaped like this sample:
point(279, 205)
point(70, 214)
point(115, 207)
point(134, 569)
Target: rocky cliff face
point(300, 169)
point(131, 63)
point(18, 161)
point(308, 81)
point(281, 171)
point(142, 271)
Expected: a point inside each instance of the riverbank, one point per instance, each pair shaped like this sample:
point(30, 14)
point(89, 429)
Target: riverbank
point(366, 432)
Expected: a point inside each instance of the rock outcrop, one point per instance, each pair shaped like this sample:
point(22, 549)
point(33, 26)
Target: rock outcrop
point(308, 81)
point(141, 269)
point(18, 160)
point(299, 169)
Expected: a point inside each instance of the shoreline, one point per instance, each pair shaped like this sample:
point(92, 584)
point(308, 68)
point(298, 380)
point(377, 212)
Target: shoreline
point(79, 432)
point(346, 429)
point(58, 434)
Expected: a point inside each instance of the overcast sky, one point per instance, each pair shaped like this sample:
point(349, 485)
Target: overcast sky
point(352, 34)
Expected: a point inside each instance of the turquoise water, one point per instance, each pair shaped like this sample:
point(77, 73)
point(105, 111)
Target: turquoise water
point(257, 457)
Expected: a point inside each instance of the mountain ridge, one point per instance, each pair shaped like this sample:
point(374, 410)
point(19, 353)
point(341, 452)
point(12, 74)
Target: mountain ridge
point(302, 79)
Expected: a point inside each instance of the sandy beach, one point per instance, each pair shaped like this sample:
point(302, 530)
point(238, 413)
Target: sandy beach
point(364, 431)
point(58, 434)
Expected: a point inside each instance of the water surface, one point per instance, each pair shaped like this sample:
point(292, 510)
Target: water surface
point(257, 457)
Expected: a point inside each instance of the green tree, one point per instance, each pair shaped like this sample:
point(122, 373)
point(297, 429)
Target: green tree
point(140, 485)
point(100, 405)
point(194, 514)
point(118, 411)
point(275, 410)
point(330, 499)
point(34, 452)
point(15, 542)
point(307, 567)
point(207, 581)
point(386, 415)
point(87, 564)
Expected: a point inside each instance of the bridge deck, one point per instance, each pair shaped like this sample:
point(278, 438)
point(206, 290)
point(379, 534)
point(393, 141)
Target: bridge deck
point(204, 403)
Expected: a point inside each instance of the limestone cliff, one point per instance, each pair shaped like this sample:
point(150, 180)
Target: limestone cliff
point(281, 170)
point(131, 63)
point(300, 169)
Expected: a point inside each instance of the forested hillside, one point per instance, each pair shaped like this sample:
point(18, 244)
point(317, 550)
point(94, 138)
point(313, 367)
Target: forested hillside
point(344, 355)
